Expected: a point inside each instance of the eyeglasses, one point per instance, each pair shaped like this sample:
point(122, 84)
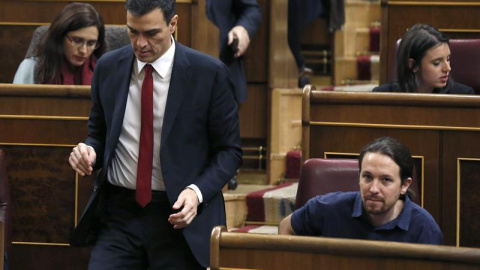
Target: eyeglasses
point(79, 42)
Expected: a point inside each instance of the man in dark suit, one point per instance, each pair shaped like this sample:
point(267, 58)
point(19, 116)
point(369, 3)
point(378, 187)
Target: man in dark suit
point(235, 19)
point(196, 149)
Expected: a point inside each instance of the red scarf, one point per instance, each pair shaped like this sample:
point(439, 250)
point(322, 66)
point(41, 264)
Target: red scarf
point(82, 76)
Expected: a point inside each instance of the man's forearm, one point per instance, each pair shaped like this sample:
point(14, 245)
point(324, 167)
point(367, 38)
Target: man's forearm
point(286, 226)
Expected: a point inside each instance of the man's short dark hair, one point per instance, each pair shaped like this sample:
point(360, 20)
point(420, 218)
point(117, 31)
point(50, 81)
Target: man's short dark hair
point(398, 152)
point(142, 7)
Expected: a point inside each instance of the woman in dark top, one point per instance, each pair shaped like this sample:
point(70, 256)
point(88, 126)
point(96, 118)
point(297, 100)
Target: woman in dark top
point(423, 64)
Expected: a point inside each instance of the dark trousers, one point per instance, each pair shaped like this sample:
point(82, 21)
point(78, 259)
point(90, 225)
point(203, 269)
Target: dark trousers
point(294, 33)
point(5, 261)
point(133, 237)
point(300, 13)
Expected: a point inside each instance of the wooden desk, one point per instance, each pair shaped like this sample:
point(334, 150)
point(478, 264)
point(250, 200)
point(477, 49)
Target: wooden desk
point(262, 251)
point(40, 125)
point(442, 132)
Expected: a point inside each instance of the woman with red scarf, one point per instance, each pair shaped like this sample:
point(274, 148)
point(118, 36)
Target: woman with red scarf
point(68, 52)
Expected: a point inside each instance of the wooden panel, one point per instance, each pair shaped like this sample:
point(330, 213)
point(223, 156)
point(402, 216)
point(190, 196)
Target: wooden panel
point(464, 174)
point(440, 129)
point(317, 33)
point(44, 11)
point(235, 209)
point(184, 30)
point(44, 100)
point(397, 16)
point(285, 129)
point(113, 12)
point(468, 202)
point(48, 257)
point(281, 64)
point(43, 188)
point(256, 251)
point(253, 113)
point(257, 55)
point(43, 123)
point(205, 36)
point(13, 52)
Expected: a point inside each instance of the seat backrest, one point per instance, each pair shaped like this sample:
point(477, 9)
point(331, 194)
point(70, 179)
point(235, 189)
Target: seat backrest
point(464, 61)
point(5, 203)
point(320, 176)
point(115, 37)
point(36, 37)
point(392, 71)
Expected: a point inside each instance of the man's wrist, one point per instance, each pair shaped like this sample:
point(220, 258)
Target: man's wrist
point(197, 191)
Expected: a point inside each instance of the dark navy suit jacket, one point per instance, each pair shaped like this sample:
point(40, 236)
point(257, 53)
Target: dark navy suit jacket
point(226, 14)
point(200, 137)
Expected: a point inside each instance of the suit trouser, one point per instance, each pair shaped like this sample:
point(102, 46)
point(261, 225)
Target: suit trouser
point(5, 261)
point(133, 237)
point(294, 33)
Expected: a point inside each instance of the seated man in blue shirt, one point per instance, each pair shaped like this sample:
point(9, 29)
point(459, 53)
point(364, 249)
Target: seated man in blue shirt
point(381, 210)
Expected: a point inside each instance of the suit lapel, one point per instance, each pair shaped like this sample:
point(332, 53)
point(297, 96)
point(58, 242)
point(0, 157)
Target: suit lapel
point(181, 74)
point(120, 90)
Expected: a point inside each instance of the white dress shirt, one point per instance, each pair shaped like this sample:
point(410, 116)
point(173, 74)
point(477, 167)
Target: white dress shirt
point(123, 170)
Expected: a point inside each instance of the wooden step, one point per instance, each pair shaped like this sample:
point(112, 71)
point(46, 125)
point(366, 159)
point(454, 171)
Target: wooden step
point(346, 69)
point(235, 203)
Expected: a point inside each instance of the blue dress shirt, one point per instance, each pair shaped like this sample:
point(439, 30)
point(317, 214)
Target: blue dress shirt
point(341, 214)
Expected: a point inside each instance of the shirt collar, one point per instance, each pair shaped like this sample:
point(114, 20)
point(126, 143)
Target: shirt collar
point(162, 64)
point(402, 221)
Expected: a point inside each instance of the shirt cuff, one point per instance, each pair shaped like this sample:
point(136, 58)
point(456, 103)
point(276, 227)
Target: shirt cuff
point(197, 191)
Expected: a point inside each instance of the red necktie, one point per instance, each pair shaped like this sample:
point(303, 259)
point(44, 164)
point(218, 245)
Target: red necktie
point(143, 194)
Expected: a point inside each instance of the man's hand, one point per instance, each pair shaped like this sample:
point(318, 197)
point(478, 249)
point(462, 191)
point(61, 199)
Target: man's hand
point(82, 159)
point(188, 202)
point(243, 39)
